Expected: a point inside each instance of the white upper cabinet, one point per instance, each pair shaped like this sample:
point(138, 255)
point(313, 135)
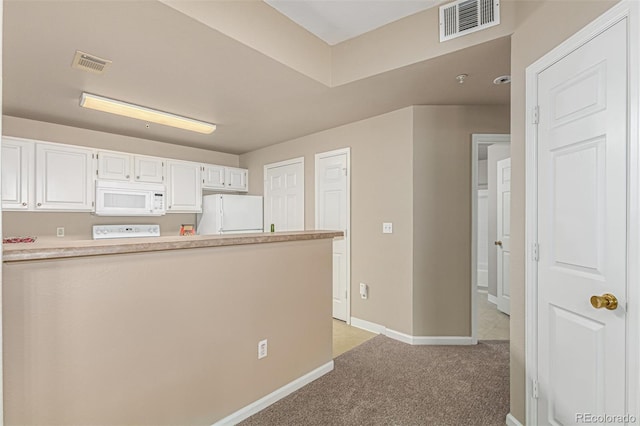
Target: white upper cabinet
point(114, 165)
point(148, 169)
point(184, 187)
point(17, 173)
point(213, 176)
point(224, 178)
point(64, 177)
point(236, 179)
point(127, 167)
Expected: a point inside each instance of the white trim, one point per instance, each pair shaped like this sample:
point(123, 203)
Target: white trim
point(626, 9)
point(492, 299)
point(409, 339)
point(327, 154)
point(368, 326)
point(275, 396)
point(512, 421)
point(478, 139)
point(266, 168)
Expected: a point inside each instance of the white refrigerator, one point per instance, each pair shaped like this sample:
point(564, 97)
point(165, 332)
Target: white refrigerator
point(230, 214)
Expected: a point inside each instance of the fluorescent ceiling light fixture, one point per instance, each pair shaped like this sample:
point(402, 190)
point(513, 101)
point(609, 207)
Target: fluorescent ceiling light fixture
point(113, 106)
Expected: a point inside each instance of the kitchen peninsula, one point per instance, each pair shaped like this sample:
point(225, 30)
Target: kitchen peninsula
point(163, 331)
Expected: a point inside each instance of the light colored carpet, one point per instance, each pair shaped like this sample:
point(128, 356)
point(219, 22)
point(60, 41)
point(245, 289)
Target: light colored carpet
point(386, 382)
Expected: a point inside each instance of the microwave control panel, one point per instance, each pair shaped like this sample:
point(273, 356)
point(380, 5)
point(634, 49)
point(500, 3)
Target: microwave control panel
point(158, 201)
point(125, 231)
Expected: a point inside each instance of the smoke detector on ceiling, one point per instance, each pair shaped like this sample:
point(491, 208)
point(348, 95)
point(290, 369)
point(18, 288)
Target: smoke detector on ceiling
point(90, 63)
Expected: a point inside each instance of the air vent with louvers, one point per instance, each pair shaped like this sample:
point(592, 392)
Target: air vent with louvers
point(466, 16)
point(86, 62)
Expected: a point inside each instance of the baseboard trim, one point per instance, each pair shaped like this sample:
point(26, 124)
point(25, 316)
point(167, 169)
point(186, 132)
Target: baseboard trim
point(412, 340)
point(492, 299)
point(274, 396)
point(512, 421)
point(368, 326)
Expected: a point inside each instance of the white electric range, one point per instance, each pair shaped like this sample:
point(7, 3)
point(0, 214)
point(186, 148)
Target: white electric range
point(101, 232)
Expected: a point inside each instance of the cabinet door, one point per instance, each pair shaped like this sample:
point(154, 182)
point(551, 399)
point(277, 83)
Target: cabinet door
point(148, 169)
point(213, 177)
point(236, 179)
point(17, 163)
point(64, 178)
point(114, 165)
point(184, 187)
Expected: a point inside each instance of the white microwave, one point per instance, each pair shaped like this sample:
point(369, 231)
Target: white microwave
point(129, 199)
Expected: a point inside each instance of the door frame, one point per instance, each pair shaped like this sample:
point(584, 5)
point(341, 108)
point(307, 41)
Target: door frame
point(289, 162)
point(629, 10)
point(347, 236)
point(478, 139)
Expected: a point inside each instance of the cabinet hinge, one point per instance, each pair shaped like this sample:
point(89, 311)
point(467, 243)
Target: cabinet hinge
point(96, 173)
point(534, 389)
point(535, 252)
point(346, 172)
point(93, 204)
point(94, 156)
point(535, 118)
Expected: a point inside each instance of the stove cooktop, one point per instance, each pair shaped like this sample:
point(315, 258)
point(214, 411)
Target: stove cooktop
point(101, 232)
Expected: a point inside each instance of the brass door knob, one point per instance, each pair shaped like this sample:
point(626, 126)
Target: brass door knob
point(607, 300)
point(497, 243)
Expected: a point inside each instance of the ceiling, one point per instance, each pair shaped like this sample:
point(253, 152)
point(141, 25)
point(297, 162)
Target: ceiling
point(338, 21)
point(164, 59)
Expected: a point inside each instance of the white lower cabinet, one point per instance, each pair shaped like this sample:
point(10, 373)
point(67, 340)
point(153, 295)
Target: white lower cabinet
point(17, 174)
point(184, 187)
point(64, 178)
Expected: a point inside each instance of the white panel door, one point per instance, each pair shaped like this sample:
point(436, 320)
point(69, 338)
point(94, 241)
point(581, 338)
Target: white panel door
point(503, 232)
point(236, 179)
point(64, 178)
point(17, 170)
point(582, 217)
point(213, 176)
point(332, 213)
point(284, 196)
point(114, 165)
point(184, 187)
point(148, 169)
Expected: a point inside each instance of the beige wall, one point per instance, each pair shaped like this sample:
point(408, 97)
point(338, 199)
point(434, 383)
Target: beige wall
point(400, 163)
point(546, 27)
point(78, 225)
point(442, 213)
point(89, 341)
point(381, 182)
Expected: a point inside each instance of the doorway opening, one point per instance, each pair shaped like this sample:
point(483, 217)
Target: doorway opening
point(489, 193)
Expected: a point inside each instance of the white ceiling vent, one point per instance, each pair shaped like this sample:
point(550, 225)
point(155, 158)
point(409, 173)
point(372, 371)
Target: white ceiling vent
point(86, 62)
point(464, 17)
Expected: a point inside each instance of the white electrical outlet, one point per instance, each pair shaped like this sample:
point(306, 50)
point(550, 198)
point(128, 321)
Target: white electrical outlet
point(60, 232)
point(262, 349)
point(364, 291)
point(387, 228)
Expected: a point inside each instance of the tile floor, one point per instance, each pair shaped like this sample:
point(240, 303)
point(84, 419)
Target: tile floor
point(492, 324)
point(346, 337)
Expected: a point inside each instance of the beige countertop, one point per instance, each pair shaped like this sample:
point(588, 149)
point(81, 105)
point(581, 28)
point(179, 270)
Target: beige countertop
point(55, 248)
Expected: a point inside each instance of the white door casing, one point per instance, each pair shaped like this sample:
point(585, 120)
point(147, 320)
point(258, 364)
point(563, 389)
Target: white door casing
point(503, 243)
point(284, 195)
point(477, 140)
point(333, 213)
point(582, 222)
point(482, 280)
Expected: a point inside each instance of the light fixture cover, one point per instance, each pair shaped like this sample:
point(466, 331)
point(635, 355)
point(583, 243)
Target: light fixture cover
point(113, 106)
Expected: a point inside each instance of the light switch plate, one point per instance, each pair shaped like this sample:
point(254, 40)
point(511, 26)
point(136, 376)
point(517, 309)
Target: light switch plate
point(387, 228)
